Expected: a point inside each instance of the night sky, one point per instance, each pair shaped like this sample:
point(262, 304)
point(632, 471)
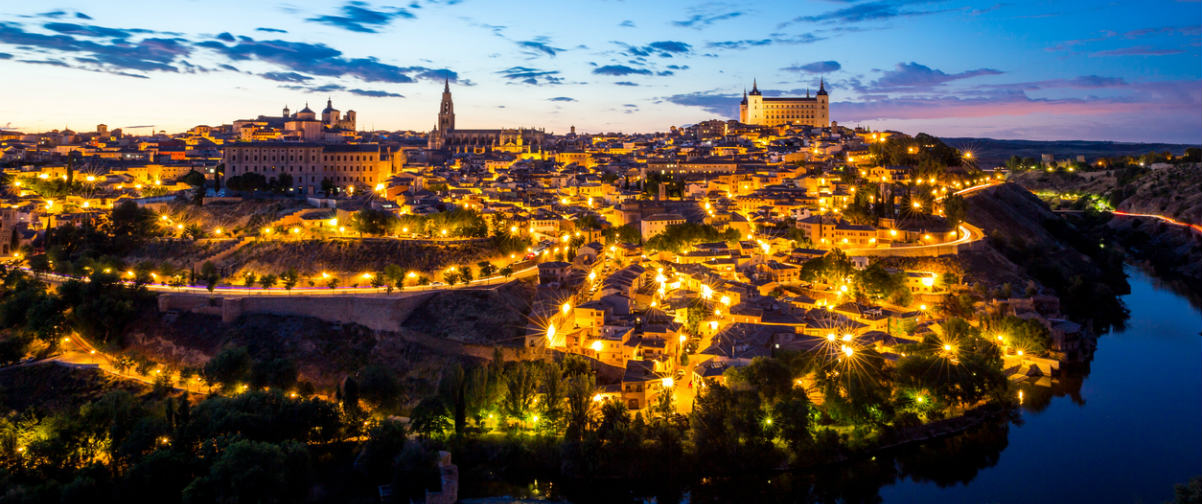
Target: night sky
point(1042, 70)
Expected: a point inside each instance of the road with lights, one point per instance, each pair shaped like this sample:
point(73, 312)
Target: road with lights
point(1195, 227)
point(229, 290)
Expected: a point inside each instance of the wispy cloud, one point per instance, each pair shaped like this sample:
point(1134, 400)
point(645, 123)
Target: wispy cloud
point(361, 17)
point(331, 87)
point(532, 76)
point(868, 11)
point(117, 55)
point(661, 48)
point(713, 101)
point(1139, 50)
point(285, 76)
point(374, 93)
point(1191, 31)
point(562, 99)
point(815, 67)
point(621, 70)
point(699, 21)
point(774, 38)
point(917, 77)
point(539, 46)
point(320, 59)
point(1080, 82)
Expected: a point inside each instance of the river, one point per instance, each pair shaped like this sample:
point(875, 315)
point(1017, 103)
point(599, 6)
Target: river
point(1130, 431)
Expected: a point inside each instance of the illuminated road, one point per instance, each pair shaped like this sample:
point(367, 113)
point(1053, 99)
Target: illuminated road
point(1170, 220)
point(973, 189)
point(77, 352)
point(229, 290)
point(965, 235)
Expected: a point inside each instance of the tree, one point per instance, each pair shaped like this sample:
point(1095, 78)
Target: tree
point(249, 279)
point(954, 210)
point(506, 271)
point(678, 237)
point(1027, 335)
point(791, 418)
point(875, 283)
point(395, 276)
point(452, 388)
point(373, 222)
point(102, 307)
point(350, 396)
point(465, 273)
point(197, 181)
point(13, 348)
point(252, 471)
point(267, 281)
point(379, 387)
point(247, 182)
point(283, 182)
point(486, 268)
point(579, 403)
point(328, 187)
point(290, 278)
point(129, 224)
point(521, 383)
point(628, 233)
point(208, 272)
point(430, 418)
point(551, 411)
point(278, 374)
point(229, 367)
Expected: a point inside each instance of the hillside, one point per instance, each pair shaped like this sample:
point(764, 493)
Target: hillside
point(1029, 245)
point(1173, 252)
point(992, 152)
point(348, 258)
point(475, 316)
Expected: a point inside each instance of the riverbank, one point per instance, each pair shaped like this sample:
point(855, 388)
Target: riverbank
point(1141, 393)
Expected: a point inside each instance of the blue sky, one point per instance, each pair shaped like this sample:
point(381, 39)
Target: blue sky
point(1125, 71)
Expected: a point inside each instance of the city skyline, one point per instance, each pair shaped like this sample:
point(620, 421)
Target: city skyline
point(1033, 71)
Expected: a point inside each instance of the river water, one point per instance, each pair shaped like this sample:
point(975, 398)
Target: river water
point(1126, 431)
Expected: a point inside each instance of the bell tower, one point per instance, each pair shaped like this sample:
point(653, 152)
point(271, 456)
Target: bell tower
point(446, 112)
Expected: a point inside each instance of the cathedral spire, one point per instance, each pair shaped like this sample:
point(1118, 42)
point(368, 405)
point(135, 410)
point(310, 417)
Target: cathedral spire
point(821, 87)
point(446, 85)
